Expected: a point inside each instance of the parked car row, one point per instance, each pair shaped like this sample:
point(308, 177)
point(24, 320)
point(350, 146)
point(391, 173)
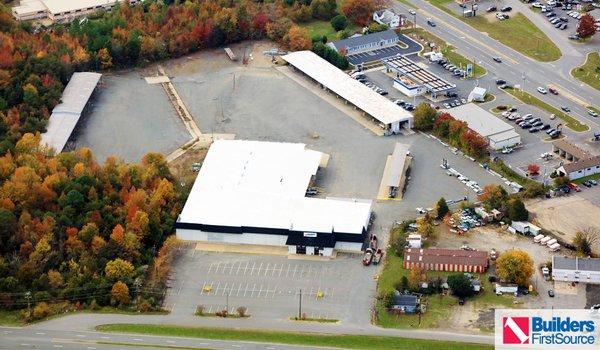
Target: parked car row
point(408, 106)
point(528, 121)
point(473, 185)
point(363, 79)
point(456, 71)
point(455, 103)
point(558, 22)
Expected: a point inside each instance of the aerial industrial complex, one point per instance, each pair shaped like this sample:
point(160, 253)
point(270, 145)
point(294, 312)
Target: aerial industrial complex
point(62, 10)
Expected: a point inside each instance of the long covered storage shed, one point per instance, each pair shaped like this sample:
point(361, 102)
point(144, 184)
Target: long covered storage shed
point(391, 116)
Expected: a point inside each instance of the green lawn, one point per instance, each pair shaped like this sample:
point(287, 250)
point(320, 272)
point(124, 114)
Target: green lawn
point(529, 99)
point(10, 318)
point(325, 340)
point(448, 50)
point(589, 72)
point(439, 307)
point(517, 32)
point(321, 28)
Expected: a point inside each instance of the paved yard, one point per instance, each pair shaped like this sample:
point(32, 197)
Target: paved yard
point(269, 286)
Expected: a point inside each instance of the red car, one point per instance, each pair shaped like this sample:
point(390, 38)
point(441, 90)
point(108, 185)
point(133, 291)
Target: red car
point(574, 187)
point(553, 90)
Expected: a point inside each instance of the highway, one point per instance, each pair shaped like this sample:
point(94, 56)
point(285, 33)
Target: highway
point(477, 46)
point(21, 338)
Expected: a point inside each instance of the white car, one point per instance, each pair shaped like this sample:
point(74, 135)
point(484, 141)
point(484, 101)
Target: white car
point(412, 12)
point(542, 90)
point(537, 5)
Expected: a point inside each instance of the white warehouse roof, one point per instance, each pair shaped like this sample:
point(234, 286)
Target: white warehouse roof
point(263, 184)
point(350, 89)
point(61, 6)
point(480, 120)
point(66, 114)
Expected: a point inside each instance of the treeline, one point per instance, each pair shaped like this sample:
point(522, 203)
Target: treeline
point(455, 132)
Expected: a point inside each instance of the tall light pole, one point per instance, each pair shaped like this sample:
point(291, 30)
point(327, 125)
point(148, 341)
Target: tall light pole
point(300, 305)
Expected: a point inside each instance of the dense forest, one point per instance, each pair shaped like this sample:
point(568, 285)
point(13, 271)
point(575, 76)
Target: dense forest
point(88, 234)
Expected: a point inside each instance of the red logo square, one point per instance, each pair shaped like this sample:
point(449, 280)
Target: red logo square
point(515, 330)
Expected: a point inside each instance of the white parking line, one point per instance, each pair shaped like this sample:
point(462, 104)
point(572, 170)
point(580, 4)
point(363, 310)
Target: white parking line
point(252, 271)
point(288, 270)
point(246, 289)
point(253, 288)
point(259, 291)
point(295, 268)
point(210, 267)
point(259, 268)
point(267, 268)
point(225, 289)
point(231, 270)
point(217, 290)
point(246, 268)
point(217, 267)
point(203, 285)
point(238, 291)
point(239, 267)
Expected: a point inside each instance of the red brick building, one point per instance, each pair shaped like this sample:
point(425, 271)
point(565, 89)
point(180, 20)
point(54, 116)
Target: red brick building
point(457, 260)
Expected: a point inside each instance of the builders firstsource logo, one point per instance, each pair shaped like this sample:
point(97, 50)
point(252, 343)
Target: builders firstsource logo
point(547, 329)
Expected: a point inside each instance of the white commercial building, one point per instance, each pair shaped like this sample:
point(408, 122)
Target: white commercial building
point(66, 114)
point(585, 270)
point(497, 132)
point(62, 10)
point(389, 17)
point(477, 94)
point(391, 116)
point(252, 192)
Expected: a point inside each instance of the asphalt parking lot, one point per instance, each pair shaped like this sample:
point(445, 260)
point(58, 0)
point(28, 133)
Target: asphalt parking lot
point(269, 286)
point(129, 118)
point(407, 46)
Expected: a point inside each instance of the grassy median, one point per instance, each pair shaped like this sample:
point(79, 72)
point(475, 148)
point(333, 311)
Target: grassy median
point(312, 339)
point(589, 72)
point(529, 99)
point(517, 32)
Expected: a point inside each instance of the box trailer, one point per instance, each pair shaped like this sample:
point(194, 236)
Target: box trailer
point(551, 242)
point(545, 240)
point(555, 247)
point(505, 288)
point(538, 238)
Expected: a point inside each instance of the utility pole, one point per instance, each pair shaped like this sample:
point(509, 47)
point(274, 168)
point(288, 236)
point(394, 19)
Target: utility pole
point(300, 305)
point(415, 20)
point(28, 297)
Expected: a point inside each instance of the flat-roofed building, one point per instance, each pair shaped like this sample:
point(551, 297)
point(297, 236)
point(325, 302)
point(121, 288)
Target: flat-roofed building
point(391, 116)
point(254, 193)
point(566, 269)
point(67, 113)
point(412, 79)
point(497, 132)
point(62, 10)
point(366, 42)
point(456, 260)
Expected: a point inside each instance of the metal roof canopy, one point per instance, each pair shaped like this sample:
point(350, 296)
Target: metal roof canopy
point(349, 89)
point(397, 165)
point(66, 114)
point(404, 66)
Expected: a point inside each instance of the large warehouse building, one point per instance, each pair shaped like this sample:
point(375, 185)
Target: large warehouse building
point(67, 113)
point(391, 116)
point(584, 270)
point(254, 193)
point(496, 131)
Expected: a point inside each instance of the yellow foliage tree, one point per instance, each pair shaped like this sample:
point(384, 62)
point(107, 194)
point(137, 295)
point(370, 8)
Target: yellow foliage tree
point(120, 293)
point(515, 266)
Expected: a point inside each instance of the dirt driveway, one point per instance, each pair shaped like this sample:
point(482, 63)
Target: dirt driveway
point(564, 216)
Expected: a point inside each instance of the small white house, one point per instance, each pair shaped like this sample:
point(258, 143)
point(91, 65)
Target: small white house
point(525, 228)
point(389, 18)
point(414, 241)
point(477, 94)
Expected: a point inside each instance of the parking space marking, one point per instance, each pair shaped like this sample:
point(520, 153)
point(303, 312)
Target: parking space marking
point(210, 267)
point(252, 269)
point(246, 268)
point(267, 268)
point(225, 289)
point(231, 270)
point(238, 291)
point(239, 267)
point(252, 291)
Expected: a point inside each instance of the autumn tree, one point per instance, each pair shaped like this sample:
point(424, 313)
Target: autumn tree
point(118, 269)
point(494, 196)
point(416, 276)
point(297, 39)
point(323, 9)
point(424, 117)
point(533, 169)
point(515, 266)
point(360, 11)
point(586, 27)
point(585, 240)
point(120, 293)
